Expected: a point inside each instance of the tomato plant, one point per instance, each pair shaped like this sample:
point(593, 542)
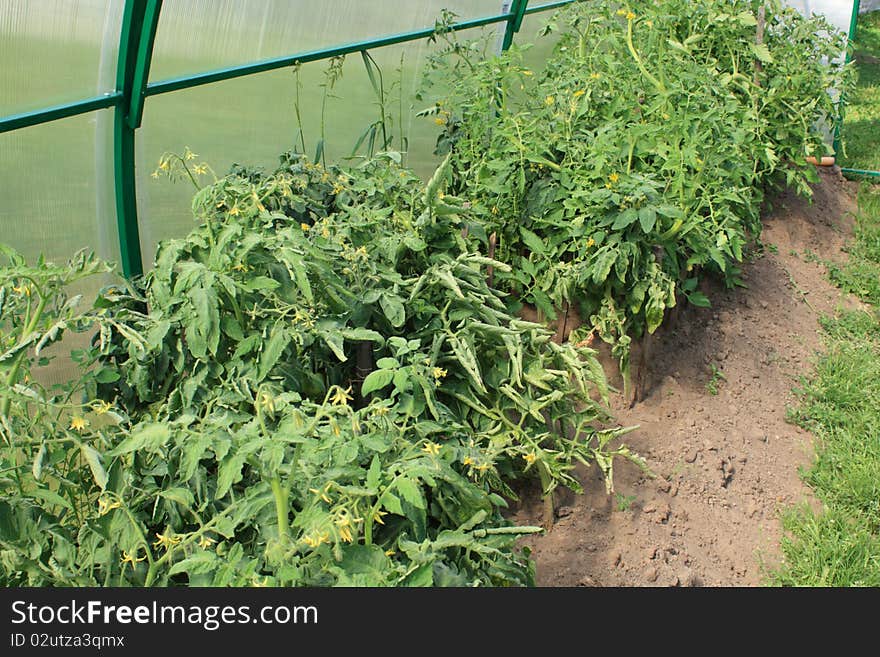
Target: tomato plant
point(640, 154)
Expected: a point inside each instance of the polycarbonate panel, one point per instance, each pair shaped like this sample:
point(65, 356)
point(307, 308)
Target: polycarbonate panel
point(58, 189)
point(56, 51)
point(251, 120)
point(57, 198)
point(201, 35)
point(530, 33)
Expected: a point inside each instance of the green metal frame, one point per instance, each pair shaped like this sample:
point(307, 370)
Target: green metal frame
point(853, 30)
point(139, 24)
point(138, 34)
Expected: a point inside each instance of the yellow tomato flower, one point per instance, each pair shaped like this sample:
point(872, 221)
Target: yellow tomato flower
point(590, 242)
point(105, 507)
point(595, 76)
point(431, 448)
point(127, 557)
point(578, 93)
point(101, 406)
point(340, 397)
point(235, 211)
point(468, 460)
point(205, 542)
point(377, 516)
point(530, 458)
point(549, 100)
point(630, 16)
point(440, 373)
point(305, 227)
point(621, 12)
point(266, 401)
point(78, 423)
point(440, 120)
point(614, 178)
point(166, 540)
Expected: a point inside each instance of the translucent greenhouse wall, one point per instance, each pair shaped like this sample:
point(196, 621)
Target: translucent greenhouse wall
point(64, 181)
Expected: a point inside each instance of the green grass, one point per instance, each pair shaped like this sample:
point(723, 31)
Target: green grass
point(861, 138)
point(840, 405)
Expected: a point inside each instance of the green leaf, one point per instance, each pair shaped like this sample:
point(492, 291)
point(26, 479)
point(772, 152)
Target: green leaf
point(199, 563)
point(531, 240)
point(647, 218)
point(762, 52)
point(261, 283)
point(625, 219)
point(37, 468)
point(699, 299)
point(182, 496)
point(333, 339)
point(393, 308)
point(362, 334)
point(191, 454)
point(51, 497)
point(387, 363)
point(376, 381)
point(203, 331)
point(747, 19)
point(150, 436)
point(107, 375)
point(94, 460)
point(392, 503)
point(411, 492)
point(302, 279)
point(422, 576)
point(272, 351)
point(374, 473)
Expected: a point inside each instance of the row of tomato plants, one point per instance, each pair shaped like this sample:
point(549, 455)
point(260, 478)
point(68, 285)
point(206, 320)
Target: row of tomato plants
point(638, 158)
point(324, 384)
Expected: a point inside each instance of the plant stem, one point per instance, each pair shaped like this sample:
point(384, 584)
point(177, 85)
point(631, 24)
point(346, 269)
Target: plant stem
point(635, 54)
point(12, 377)
point(281, 507)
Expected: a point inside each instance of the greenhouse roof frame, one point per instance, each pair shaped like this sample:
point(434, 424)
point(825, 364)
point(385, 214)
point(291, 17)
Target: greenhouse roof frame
point(139, 26)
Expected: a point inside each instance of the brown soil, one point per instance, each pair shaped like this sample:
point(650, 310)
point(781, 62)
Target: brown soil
point(725, 465)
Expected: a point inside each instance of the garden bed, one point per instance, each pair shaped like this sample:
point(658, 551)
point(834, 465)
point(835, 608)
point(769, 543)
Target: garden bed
point(726, 463)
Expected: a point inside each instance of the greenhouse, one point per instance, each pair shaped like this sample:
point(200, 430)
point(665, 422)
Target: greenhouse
point(440, 293)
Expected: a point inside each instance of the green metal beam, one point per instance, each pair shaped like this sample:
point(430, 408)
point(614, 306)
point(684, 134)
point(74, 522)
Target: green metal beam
point(860, 172)
point(176, 84)
point(27, 119)
point(517, 11)
point(549, 6)
point(135, 51)
point(841, 105)
point(142, 65)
